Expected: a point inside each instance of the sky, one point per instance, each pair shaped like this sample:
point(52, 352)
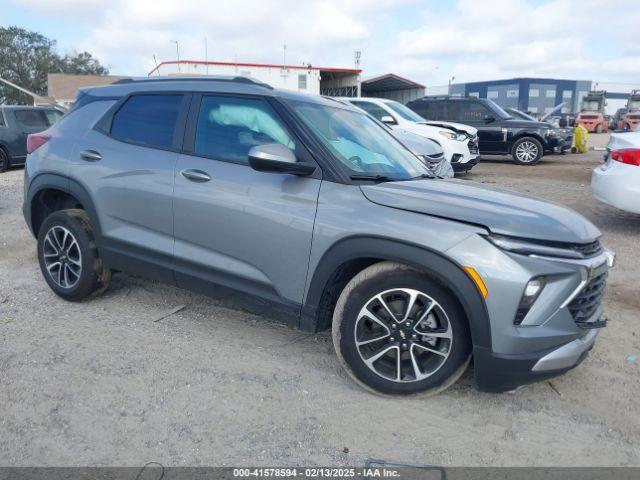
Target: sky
point(428, 41)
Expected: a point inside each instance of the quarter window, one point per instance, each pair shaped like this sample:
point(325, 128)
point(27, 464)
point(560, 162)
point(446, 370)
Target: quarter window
point(2, 124)
point(229, 127)
point(148, 120)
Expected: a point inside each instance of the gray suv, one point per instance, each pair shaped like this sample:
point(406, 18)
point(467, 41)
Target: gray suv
point(317, 216)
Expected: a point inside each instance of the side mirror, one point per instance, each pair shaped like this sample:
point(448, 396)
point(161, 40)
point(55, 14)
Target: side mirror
point(489, 118)
point(276, 158)
point(388, 120)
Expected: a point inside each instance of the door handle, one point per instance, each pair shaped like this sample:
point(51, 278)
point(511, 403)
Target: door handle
point(90, 155)
point(195, 175)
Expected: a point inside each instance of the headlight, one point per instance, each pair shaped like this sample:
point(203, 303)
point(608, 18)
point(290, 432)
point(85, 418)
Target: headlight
point(551, 132)
point(452, 135)
point(530, 247)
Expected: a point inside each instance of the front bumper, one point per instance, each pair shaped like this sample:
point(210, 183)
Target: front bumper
point(559, 328)
point(500, 373)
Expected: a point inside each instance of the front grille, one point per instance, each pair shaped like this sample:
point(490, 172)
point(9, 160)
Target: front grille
point(473, 145)
point(435, 156)
point(586, 303)
point(589, 249)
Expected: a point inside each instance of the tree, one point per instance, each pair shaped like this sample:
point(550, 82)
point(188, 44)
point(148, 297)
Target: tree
point(27, 57)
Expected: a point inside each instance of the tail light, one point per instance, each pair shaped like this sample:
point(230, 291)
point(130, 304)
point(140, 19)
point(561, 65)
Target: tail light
point(36, 140)
point(630, 156)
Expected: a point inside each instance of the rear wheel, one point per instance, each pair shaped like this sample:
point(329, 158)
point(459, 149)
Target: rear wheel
point(526, 151)
point(396, 331)
point(4, 161)
point(69, 257)
point(599, 128)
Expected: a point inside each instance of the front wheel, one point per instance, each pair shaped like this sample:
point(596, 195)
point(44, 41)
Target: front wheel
point(527, 151)
point(396, 331)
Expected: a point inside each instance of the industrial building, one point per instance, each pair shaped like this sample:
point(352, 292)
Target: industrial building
point(339, 82)
point(539, 95)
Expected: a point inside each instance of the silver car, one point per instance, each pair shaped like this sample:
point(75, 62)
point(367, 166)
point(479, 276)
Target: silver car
point(317, 216)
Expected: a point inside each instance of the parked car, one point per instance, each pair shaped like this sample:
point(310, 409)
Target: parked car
point(16, 123)
point(317, 212)
point(617, 181)
point(429, 151)
point(499, 133)
point(617, 121)
point(460, 142)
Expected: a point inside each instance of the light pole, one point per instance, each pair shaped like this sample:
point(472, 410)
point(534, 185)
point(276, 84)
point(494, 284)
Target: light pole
point(177, 53)
point(451, 80)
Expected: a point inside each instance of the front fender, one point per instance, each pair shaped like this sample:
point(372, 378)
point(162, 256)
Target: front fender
point(443, 269)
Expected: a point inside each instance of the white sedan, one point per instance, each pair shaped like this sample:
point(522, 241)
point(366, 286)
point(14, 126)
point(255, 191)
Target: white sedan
point(617, 182)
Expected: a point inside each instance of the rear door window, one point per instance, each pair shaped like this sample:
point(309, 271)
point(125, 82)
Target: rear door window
point(473, 112)
point(32, 118)
point(148, 120)
point(229, 127)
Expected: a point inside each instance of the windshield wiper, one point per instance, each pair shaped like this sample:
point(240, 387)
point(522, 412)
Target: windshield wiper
point(375, 177)
point(424, 175)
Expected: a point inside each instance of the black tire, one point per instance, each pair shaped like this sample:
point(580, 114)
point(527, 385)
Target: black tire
point(527, 151)
point(84, 273)
point(387, 278)
point(4, 160)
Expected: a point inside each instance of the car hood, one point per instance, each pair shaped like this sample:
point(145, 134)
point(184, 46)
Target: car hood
point(417, 144)
point(498, 210)
point(458, 127)
point(516, 123)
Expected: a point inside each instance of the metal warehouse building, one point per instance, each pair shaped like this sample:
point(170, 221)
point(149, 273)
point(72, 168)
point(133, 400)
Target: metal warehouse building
point(539, 95)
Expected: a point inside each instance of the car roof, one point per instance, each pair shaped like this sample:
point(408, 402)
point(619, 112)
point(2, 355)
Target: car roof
point(30, 107)
point(204, 84)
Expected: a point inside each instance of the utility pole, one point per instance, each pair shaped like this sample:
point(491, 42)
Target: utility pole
point(284, 56)
point(177, 53)
point(206, 54)
point(450, 80)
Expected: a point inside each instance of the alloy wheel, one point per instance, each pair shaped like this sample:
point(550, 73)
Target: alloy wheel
point(527, 152)
point(403, 335)
point(62, 257)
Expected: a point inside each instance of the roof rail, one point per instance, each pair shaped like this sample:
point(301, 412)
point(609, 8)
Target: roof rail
point(197, 78)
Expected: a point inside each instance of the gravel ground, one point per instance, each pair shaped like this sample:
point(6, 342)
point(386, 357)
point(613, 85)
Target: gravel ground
point(102, 383)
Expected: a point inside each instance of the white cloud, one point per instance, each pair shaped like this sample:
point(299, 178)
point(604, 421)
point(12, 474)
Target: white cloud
point(503, 38)
point(472, 40)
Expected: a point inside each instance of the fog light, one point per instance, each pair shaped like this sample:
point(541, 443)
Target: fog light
point(531, 293)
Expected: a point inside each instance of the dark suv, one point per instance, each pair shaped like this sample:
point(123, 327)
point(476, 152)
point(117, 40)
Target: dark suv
point(16, 123)
point(499, 132)
point(316, 212)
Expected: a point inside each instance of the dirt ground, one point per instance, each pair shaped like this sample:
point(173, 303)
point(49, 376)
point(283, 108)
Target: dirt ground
point(102, 383)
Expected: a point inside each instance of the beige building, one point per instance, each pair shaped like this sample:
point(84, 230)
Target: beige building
point(63, 88)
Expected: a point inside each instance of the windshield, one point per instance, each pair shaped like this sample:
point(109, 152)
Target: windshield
point(359, 143)
point(497, 109)
point(590, 105)
point(405, 112)
point(634, 105)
